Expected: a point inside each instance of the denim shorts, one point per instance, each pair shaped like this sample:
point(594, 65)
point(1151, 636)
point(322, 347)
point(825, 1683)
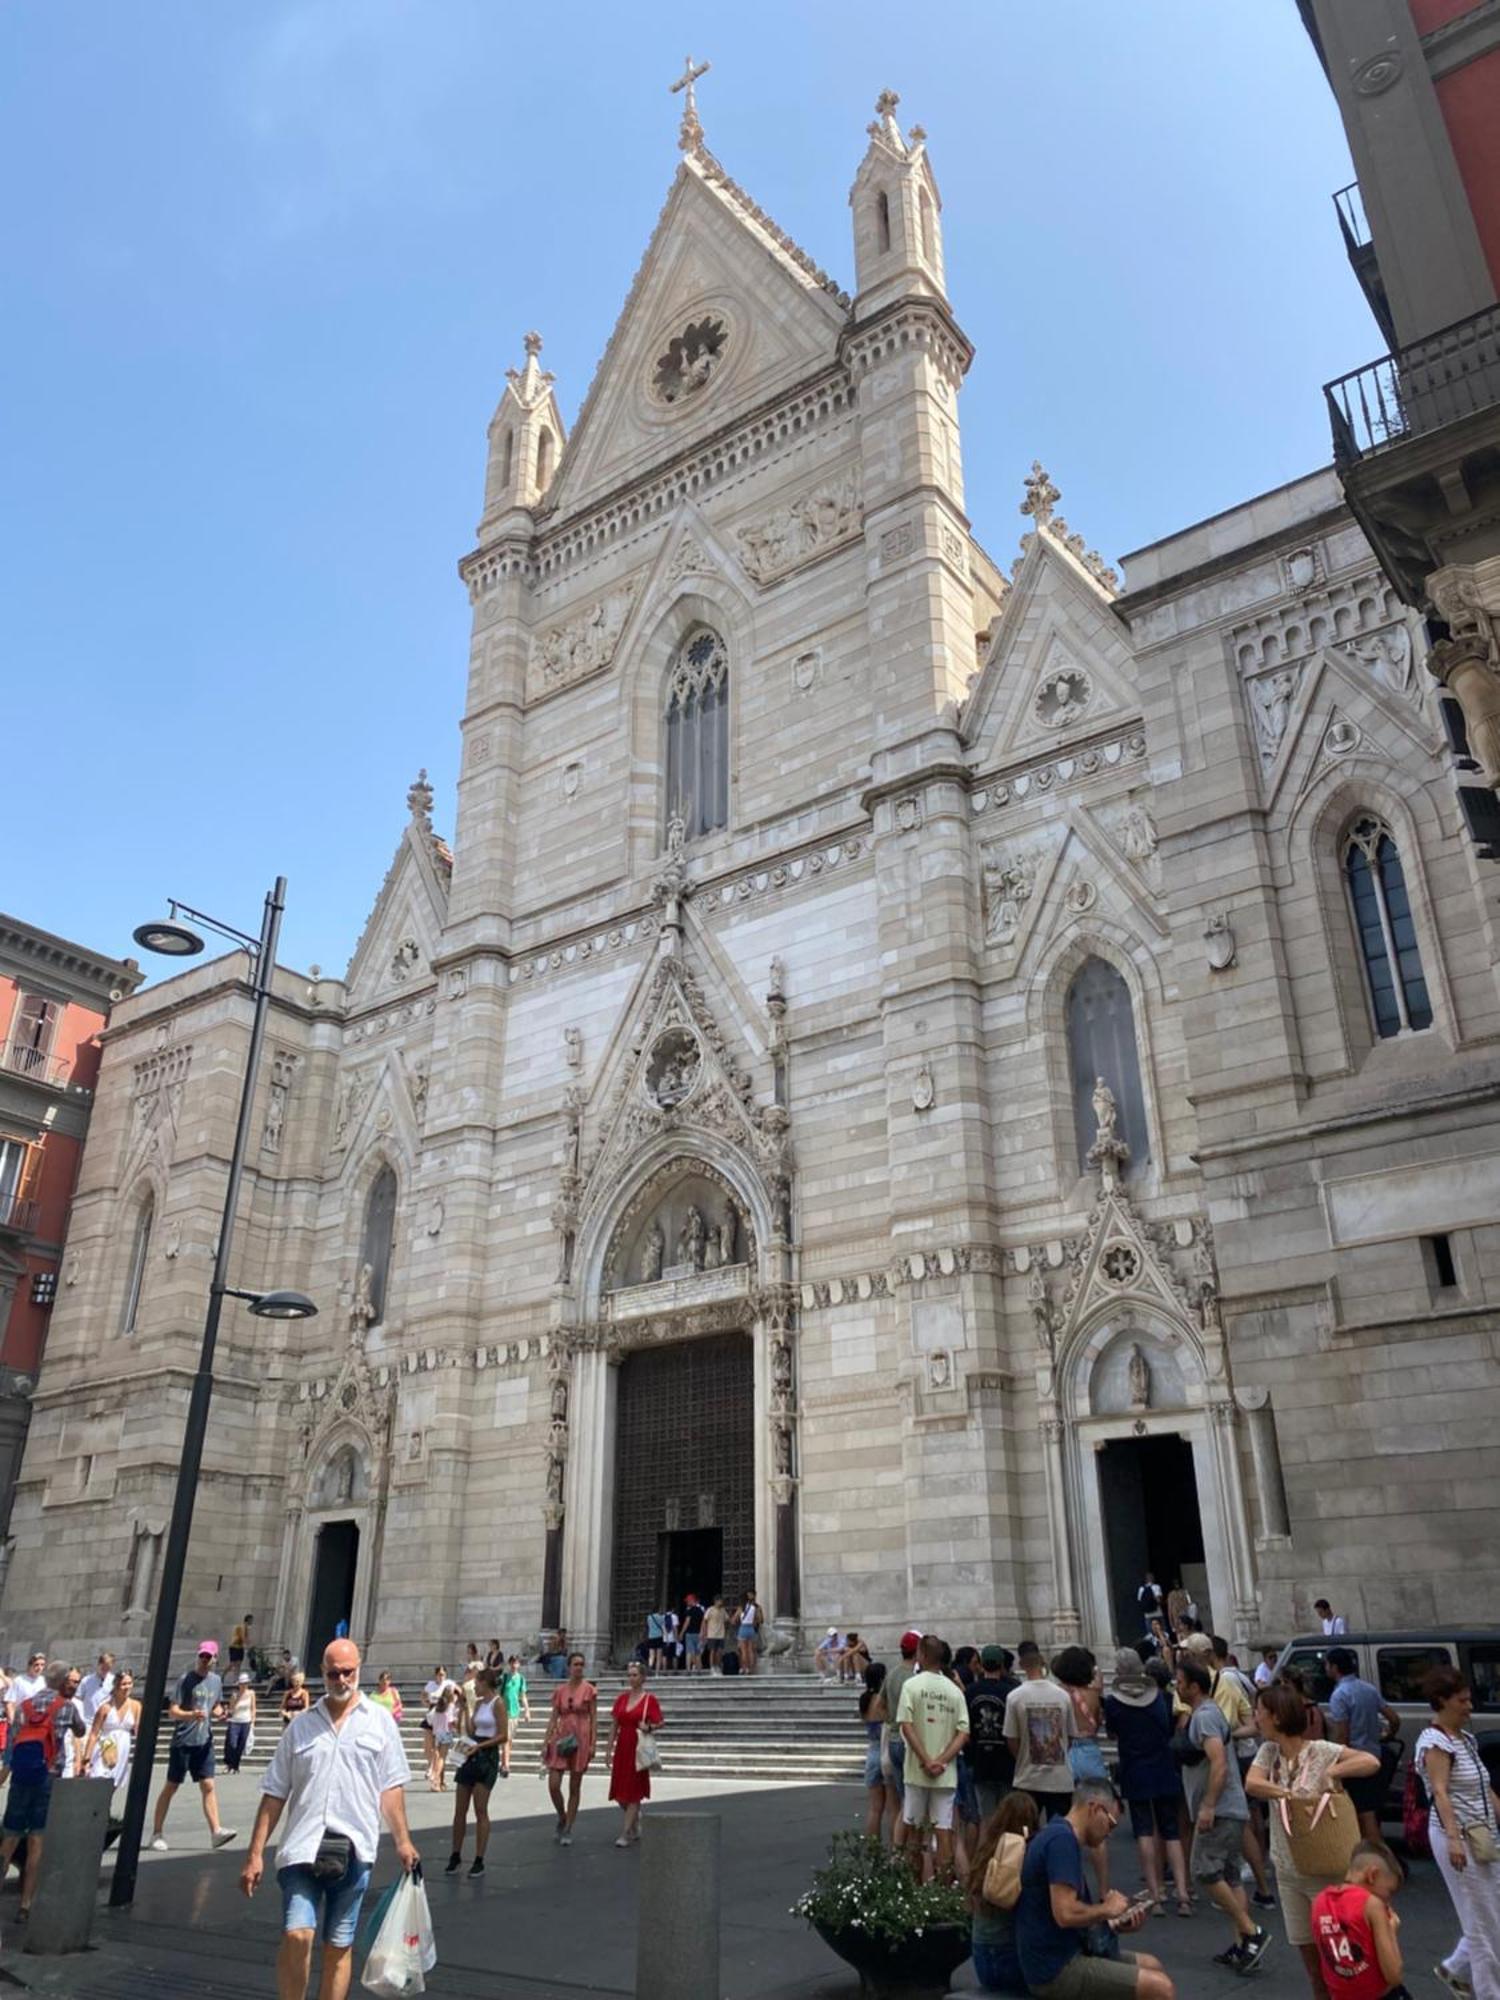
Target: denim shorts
point(193, 1760)
point(328, 1909)
point(26, 1805)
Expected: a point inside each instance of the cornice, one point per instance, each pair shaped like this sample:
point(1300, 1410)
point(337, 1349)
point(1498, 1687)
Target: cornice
point(923, 321)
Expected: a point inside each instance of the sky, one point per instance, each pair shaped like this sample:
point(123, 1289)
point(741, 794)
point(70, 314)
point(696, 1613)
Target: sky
point(268, 264)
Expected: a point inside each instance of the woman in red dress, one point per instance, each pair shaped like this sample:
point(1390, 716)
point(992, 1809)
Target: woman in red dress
point(636, 1713)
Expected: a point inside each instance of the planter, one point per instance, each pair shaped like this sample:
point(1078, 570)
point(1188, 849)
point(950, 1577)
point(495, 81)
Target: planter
point(915, 1968)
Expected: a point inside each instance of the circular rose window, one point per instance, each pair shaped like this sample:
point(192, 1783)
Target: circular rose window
point(689, 360)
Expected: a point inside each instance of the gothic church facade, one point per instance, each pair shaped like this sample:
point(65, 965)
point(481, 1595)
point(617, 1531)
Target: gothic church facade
point(920, 1087)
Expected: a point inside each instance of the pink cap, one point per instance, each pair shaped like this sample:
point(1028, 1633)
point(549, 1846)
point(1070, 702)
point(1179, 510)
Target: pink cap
point(208, 1646)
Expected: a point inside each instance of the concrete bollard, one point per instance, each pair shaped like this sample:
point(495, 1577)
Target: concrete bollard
point(67, 1886)
point(677, 1943)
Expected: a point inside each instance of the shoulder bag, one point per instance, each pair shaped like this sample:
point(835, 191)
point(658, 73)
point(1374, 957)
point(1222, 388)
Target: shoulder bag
point(1479, 1837)
point(1322, 1831)
point(1002, 1877)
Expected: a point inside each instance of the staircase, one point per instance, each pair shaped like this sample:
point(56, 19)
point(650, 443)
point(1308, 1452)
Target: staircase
point(784, 1727)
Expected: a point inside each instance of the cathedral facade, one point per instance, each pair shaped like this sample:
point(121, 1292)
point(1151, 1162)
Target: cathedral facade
point(920, 1087)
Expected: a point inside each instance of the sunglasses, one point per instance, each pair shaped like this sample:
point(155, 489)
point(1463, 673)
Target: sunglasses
point(339, 1673)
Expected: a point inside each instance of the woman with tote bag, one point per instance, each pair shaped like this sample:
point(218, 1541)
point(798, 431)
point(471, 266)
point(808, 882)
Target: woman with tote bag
point(1462, 1831)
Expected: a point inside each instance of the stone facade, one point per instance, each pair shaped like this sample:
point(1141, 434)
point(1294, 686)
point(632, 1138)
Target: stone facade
point(842, 1026)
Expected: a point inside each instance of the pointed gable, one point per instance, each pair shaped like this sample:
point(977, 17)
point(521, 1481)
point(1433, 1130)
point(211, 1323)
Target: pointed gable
point(403, 931)
point(725, 313)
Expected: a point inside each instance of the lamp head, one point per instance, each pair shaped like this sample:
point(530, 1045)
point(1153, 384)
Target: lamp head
point(171, 940)
point(283, 1305)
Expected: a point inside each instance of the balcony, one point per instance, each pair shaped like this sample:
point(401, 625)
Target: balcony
point(1418, 390)
point(1359, 246)
point(53, 1071)
point(17, 1215)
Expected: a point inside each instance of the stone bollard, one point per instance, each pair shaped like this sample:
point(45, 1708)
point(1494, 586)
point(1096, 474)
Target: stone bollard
point(677, 1942)
point(67, 1885)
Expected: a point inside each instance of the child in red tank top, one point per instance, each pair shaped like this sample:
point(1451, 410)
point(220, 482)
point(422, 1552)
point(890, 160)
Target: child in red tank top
point(1355, 1928)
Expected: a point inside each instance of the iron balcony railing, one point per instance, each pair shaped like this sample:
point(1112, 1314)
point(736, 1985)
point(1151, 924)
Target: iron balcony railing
point(40, 1067)
point(17, 1214)
point(1352, 219)
point(1418, 389)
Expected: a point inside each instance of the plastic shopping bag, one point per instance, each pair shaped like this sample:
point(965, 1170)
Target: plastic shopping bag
point(403, 1951)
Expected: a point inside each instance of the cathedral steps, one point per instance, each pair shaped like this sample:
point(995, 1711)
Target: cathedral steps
point(783, 1727)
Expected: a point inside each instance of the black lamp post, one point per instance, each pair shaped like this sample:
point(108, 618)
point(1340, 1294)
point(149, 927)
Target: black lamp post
point(177, 941)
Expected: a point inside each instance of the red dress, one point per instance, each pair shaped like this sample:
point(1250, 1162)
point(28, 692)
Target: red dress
point(627, 1785)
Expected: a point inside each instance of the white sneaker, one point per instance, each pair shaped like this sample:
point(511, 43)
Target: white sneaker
point(1454, 1981)
point(224, 1835)
point(158, 1845)
point(565, 1840)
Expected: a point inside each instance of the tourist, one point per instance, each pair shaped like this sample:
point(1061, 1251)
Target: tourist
point(655, 1631)
point(296, 1701)
point(715, 1625)
point(1461, 1829)
point(196, 1705)
point(1265, 1673)
point(388, 1696)
point(93, 1688)
point(670, 1647)
point(905, 1667)
point(1077, 1672)
point(1216, 1800)
point(636, 1714)
point(1138, 1714)
point(1355, 1930)
point(882, 1799)
point(338, 1771)
point(1180, 1609)
point(569, 1743)
point(1038, 1723)
point(42, 1721)
point(1234, 1698)
point(494, 1659)
point(241, 1721)
point(1335, 1624)
point(1151, 1599)
point(989, 1756)
point(281, 1680)
point(69, 1735)
point(828, 1656)
point(1358, 1715)
point(1052, 1915)
point(1294, 1677)
point(1291, 1764)
point(1002, 1839)
point(443, 1716)
point(934, 1723)
point(692, 1633)
point(239, 1641)
point(517, 1704)
point(965, 1665)
point(485, 1722)
point(24, 1686)
point(111, 1737)
point(748, 1622)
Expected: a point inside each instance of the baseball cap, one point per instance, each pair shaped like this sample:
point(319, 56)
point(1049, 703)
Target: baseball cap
point(910, 1641)
point(994, 1656)
point(209, 1646)
point(1199, 1644)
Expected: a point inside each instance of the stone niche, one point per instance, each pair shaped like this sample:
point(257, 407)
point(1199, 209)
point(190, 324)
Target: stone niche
point(683, 1224)
point(1137, 1371)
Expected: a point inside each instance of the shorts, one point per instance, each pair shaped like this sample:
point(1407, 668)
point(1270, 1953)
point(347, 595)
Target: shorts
point(694, 1644)
point(1148, 1816)
point(480, 1767)
point(329, 1910)
point(1295, 1894)
point(1217, 1853)
point(929, 1805)
point(1091, 1978)
point(26, 1806)
point(1049, 1805)
point(1367, 1794)
point(747, 1635)
point(195, 1761)
point(1086, 1760)
point(874, 1771)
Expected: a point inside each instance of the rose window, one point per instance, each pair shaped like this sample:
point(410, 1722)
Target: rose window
point(1121, 1264)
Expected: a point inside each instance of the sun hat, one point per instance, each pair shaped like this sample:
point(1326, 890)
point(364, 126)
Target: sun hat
point(244, 1680)
point(1199, 1644)
point(1132, 1684)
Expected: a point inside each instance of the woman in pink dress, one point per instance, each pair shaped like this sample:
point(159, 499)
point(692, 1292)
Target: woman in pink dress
point(569, 1743)
point(636, 1713)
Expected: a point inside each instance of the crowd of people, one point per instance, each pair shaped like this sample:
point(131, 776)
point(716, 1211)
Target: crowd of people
point(716, 1637)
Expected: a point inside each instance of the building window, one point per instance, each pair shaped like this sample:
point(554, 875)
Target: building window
point(883, 220)
point(698, 734)
point(1439, 1264)
point(1394, 985)
point(925, 217)
point(375, 1246)
point(507, 458)
point(140, 1249)
point(31, 1034)
point(543, 459)
point(1101, 1042)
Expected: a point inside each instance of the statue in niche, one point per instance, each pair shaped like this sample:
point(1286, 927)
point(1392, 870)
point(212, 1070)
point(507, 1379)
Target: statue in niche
point(1139, 1378)
point(1138, 837)
point(555, 1480)
point(653, 1254)
point(1273, 706)
point(781, 1368)
point(573, 1047)
point(783, 1443)
point(362, 1311)
point(559, 1399)
point(1106, 1112)
point(725, 1239)
point(414, 1445)
point(691, 1238)
point(343, 1479)
point(275, 1119)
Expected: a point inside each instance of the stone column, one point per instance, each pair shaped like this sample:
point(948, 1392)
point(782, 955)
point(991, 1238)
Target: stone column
point(777, 1310)
point(1066, 1622)
point(588, 1500)
point(1467, 598)
point(1265, 1455)
point(1222, 1414)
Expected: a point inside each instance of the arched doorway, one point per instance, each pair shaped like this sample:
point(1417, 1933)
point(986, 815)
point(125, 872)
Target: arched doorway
point(337, 1511)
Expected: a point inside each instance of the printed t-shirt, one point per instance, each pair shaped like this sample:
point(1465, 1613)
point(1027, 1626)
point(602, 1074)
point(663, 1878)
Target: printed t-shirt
point(1345, 1942)
point(1044, 1947)
point(937, 1712)
point(1354, 1701)
point(989, 1754)
point(1208, 1720)
point(1040, 1715)
point(202, 1693)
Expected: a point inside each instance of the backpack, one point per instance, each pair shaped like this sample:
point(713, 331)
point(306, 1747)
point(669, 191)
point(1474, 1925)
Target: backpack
point(33, 1743)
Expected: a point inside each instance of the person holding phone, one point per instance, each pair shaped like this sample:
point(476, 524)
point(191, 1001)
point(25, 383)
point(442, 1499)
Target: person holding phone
point(1053, 1913)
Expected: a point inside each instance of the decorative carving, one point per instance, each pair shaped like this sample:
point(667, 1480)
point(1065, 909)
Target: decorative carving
point(1466, 666)
point(1301, 569)
point(923, 1088)
point(653, 1254)
point(1080, 896)
point(419, 801)
point(1271, 704)
point(1138, 836)
point(1041, 495)
point(1139, 1378)
point(805, 527)
point(353, 1098)
point(690, 1239)
point(1218, 938)
point(573, 1047)
point(1378, 72)
point(671, 883)
point(1063, 698)
point(1388, 655)
point(585, 643)
point(1121, 1263)
point(806, 668)
point(1109, 1152)
point(1007, 887)
point(689, 559)
point(689, 360)
point(673, 1068)
point(572, 778)
point(1341, 738)
point(897, 542)
point(362, 1306)
point(909, 813)
point(405, 960)
point(419, 1079)
point(690, 133)
point(436, 1216)
point(270, 1138)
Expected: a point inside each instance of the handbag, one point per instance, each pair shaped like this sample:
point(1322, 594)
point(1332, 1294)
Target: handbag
point(1002, 1875)
point(1414, 1815)
point(1321, 1833)
point(1481, 1843)
point(647, 1753)
point(331, 1862)
point(564, 1746)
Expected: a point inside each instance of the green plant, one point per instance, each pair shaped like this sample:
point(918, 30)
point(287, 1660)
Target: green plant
point(864, 1888)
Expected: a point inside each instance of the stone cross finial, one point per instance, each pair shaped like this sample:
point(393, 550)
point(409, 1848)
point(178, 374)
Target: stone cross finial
point(690, 132)
point(419, 799)
point(1041, 495)
point(885, 104)
point(532, 343)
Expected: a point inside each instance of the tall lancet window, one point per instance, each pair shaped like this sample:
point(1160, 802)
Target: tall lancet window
point(698, 734)
point(375, 1245)
point(1394, 982)
point(1101, 1042)
point(135, 1270)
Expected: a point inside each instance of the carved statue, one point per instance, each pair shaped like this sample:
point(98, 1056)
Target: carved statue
point(559, 1399)
point(573, 1047)
point(270, 1139)
point(1273, 705)
point(1007, 885)
point(781, 1368)
point(343, 1475)
point(362, 1311)
point(725, 1240)
point(1388, 656)
point(690, 1238)
point(555, 1480)
point(1140, 1379)
point(653, 1254)
point(1138, 838)
point(1218, 936)
point(783, 1443)
point(1106, 1112)
point(1465, 667)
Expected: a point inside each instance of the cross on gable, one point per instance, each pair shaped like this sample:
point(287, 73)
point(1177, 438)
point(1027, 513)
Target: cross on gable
point(690, 133)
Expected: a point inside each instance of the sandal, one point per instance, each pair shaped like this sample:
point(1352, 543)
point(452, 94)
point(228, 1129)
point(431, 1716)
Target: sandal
point(1184, 1907)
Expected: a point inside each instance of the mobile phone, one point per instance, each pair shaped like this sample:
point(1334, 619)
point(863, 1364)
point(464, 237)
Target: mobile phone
point(1142, 1900)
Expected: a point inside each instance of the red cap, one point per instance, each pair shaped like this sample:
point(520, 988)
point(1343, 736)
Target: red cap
point(910, 1642)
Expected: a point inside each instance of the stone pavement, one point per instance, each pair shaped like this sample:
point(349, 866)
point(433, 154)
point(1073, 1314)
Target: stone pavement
point(547, 1923)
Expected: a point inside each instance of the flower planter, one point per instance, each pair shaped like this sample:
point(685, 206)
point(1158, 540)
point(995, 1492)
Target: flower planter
point(913, 1968)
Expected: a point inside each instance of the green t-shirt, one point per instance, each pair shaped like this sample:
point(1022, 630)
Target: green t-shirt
point(515, 1694)
point(937, 1711)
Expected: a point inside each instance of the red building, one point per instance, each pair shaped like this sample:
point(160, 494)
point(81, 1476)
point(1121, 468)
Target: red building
point(55, 999)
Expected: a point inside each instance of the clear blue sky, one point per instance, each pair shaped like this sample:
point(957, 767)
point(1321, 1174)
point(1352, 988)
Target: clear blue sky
point(267, 265)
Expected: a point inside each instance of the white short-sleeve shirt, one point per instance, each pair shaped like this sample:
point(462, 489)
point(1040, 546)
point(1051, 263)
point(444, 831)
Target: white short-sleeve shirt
point(332, 1779)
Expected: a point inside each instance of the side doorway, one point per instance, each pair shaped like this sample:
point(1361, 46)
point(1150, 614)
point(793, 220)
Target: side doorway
point(335, 1565)
point(1148, 1501)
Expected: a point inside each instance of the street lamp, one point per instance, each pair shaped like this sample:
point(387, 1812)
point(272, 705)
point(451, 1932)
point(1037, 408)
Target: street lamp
point(175, 940)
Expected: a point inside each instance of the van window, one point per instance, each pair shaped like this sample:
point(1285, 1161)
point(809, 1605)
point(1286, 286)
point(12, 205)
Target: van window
point(1308, 1660)
point(1401, 1670)
point(1480, 1660)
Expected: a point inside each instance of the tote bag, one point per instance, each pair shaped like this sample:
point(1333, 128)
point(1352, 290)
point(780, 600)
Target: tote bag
point(1321, 1833)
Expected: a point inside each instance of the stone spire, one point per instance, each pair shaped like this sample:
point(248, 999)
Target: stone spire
point(898, 235)
point(419, 801)
point(526, 439)
point(690, 132)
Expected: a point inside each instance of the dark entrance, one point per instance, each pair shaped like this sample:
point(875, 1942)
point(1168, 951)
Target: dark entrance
point(684, 1478)
point(1148, 1497)
point(334, 1564)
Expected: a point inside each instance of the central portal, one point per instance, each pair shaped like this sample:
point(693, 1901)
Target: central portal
point(684, 1478)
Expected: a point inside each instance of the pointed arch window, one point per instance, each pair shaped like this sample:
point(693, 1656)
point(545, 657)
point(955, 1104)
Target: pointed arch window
point(135, 1270)
point(543, 459)
point(507, 457)
point(698, 734)
point(376, 1241)
point(925, 219)
point(1102, 1042)
point(1395, 985)
point(883, 220)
